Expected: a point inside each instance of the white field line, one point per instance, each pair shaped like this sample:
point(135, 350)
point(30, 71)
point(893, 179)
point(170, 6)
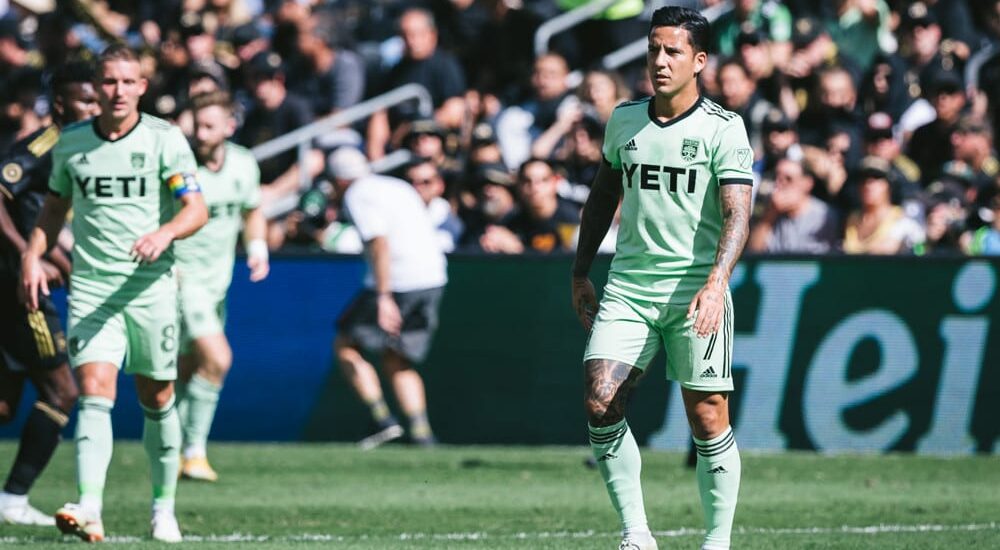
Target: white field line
point(477, 536)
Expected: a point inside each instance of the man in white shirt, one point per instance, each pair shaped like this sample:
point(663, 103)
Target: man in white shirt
point(397, 312)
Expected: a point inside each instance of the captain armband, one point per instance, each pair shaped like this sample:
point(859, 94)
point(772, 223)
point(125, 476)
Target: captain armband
point(182, 184)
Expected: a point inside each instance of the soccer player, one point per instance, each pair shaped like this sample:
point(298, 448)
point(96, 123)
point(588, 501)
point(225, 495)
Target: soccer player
point(680, 165)
point(397, 312)
point(129, 178)
point(32, 344)
point(230, 183)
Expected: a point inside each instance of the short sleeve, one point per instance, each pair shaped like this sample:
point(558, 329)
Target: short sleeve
point(733, 157)
point(176, 156)
point(252, 198)
point(610, 149)
point(59, 180)
point(362, 206)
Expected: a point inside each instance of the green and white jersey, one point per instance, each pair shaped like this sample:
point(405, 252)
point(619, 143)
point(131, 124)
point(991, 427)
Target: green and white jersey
point(206, 258)
point(120, 190)
point(671, 218)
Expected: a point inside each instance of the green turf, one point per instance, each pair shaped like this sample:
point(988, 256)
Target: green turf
point(333, 496)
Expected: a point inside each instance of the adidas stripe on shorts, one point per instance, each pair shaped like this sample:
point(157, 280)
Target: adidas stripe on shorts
point(632, 332)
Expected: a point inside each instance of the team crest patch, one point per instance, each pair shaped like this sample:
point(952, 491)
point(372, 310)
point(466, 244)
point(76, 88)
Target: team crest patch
point(12, 172)
point(689, 149)
point(138, 160)
point(744, 157)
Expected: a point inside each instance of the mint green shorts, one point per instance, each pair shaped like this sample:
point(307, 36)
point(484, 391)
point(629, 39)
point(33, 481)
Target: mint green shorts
point(203, 313)
point(632, 332)
point(140, 334)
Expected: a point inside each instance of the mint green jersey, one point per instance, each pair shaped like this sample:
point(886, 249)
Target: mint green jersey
point(206, 258)
point(119, 191)
point(671, 218)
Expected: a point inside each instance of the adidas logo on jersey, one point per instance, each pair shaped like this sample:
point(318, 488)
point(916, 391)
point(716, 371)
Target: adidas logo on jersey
point(83, 159)
point(630, 146)
point(718, 470)
point(607, 456)
point(709, 373)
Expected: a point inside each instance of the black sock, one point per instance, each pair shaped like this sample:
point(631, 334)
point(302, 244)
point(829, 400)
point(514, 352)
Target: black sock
point(39, 439)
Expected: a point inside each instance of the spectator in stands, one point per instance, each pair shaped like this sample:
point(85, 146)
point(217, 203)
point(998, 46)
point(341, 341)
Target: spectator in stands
point(545, 222)
point(518, 126)
point(770, 17)
point(835, 112)
point(331, 78)
point(814, 50)
point(985, 241)
point(780, 140)
point(879, 226)
point(424, 176)
point(426, 139)
point(945, 221)
point(860, 28)
point(753, 50)
point(495, 205)
point(600, 92)
point(739, 94)
point(614, 28)
point(972, 142)
point(931, 145)
point(425, 64)
point(880, 141)
point(275, 112)
point(795, 222)
point(581, 155)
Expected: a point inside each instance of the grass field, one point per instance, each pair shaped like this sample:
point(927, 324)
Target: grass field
point(333, 496)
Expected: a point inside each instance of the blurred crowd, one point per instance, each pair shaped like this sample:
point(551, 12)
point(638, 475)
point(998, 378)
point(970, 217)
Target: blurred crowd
point(871, 120)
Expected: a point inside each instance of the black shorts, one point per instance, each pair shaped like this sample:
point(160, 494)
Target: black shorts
point(29, 342)
point(419, 309)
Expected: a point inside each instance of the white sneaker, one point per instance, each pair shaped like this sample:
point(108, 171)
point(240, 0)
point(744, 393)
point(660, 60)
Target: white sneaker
point(71, 519)
point(644, 541)
point(164, 527)
point(381, 437)
point(17, 511)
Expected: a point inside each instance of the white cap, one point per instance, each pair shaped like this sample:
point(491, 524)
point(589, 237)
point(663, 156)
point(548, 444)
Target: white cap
point(348, 163)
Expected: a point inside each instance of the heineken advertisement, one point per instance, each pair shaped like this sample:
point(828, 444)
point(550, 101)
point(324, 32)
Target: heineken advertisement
point(836, 354)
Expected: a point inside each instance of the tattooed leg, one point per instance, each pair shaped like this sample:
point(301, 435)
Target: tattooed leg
point(617, 454)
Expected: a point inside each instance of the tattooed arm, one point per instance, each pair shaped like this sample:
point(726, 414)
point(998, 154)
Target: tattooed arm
point(597, 216)
point(709, 303)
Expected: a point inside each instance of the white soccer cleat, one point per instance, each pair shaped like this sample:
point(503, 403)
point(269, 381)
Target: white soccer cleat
point(381, 437)
point(17, 511)
point(644, 541)
point(71, 519)
point(164, 527)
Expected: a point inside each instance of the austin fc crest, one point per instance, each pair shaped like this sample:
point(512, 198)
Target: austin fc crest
point(689, 149)
point(138, 160)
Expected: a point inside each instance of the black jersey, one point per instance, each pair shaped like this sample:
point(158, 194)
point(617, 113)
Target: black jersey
point(24, 179)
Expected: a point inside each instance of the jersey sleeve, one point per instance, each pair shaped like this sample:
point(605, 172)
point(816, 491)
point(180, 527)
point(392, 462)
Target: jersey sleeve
point(733, 157)
point(177, 164)
point(610, 149)
point(59, 180)
point(251, 199)
point(362, 207)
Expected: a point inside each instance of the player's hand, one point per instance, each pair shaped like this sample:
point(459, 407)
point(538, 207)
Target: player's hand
point(584, 301)
point(259, 268)
point(149, 247)
point(389, 317)
point(33, 279)
point(708, 307)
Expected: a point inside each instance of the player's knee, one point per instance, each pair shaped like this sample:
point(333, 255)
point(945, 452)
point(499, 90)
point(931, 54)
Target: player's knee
point(6, 412)
point(61, 398)
point(707, 423)
point(600, 411)
point(217, 366)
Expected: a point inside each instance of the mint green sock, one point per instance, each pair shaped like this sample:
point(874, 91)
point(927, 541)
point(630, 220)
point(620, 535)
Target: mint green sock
point(618, 460)
point(718, 472)
point(161, 436)
point(197, 411)
point(94, 445)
